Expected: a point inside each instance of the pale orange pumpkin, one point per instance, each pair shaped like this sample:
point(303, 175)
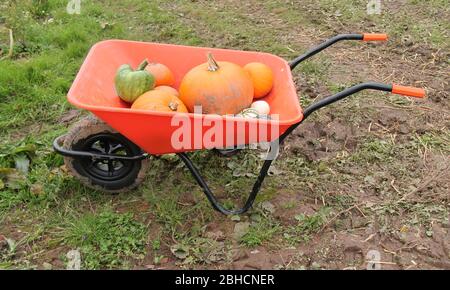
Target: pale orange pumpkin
point(163, 75)
point(159, 100)
point(168, 89)
point(218, 87)
point(262, 77)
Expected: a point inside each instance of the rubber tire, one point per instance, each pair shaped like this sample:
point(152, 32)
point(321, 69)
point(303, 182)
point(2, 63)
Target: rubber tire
point(91, 126)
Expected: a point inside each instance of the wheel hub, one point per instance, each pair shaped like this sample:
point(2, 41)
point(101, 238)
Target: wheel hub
point(106, 169)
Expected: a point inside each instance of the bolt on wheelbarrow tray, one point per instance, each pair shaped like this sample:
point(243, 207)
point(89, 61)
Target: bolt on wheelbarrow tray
point(93, 90)
point(109, 155)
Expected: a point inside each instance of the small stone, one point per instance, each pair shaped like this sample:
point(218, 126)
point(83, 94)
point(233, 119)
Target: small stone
point(217, 235)
point(47, 266)
point(315, 266)
point(239, 254)
point(105, 25)
point(274, 171)
point(268, 206)
point(235, 218)
point(240, 229)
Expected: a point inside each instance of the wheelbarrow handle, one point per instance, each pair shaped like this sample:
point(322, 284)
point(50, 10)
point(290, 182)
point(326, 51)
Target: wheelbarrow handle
point(408, 91)
point(333, 40)
point(393, 88)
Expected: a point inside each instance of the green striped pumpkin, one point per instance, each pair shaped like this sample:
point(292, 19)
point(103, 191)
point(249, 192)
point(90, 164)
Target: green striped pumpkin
point(130, 84)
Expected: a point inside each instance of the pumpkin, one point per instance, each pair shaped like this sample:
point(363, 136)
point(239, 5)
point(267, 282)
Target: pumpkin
point(130, 84)
point(218, 87)
point(157, 100)
point(252, 113)
point(163, 75)
point(168, 89)
point(262, 107)
point(262, 77)
point(248, 113)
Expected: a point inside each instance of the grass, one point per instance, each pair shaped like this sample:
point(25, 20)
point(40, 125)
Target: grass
point(433, 140)
point(106, 239)
point(43, 209)
point(261, 230)
point(374, 151)
point(306, 226)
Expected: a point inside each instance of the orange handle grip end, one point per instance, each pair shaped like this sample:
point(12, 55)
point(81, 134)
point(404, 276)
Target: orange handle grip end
point(375, 37)
point(408, 91)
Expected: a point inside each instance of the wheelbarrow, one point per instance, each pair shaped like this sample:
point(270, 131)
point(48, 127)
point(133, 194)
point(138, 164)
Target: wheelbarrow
point(110, 151)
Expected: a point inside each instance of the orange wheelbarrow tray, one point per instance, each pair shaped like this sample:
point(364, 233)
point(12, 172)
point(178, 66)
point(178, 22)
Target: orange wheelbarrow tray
point(113, 157)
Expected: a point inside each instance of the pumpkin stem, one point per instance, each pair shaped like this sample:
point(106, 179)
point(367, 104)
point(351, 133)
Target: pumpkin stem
point(173, 106)
point(212, 64)
point(143, 65)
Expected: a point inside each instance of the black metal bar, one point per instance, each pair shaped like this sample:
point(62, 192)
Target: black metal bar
point(334, 98)
point(345, 93)
point(324, 45)
point(213, 200)
point(72, 153)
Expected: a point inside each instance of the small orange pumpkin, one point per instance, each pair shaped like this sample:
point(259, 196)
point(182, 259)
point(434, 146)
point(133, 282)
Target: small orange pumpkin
point(218, 87)
point(159, 100)
point(168, 89)
point(163, 75)
point(262, 77)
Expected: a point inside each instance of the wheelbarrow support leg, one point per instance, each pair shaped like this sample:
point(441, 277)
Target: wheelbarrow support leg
point(213, 200)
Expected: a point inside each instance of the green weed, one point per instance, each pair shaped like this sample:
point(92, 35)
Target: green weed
point(306, 226)
point(106, 239)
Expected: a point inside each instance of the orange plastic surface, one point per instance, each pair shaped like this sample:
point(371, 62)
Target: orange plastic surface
point(408, 91)
point(375, 37)
point(93, 90)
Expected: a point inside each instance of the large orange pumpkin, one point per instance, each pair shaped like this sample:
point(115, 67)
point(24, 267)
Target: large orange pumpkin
point(161, 101)
point(218, 87)
point(163, 75)
point(262, 77)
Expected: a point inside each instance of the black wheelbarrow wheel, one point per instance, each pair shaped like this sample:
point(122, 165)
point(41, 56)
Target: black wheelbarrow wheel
point(112, 176)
